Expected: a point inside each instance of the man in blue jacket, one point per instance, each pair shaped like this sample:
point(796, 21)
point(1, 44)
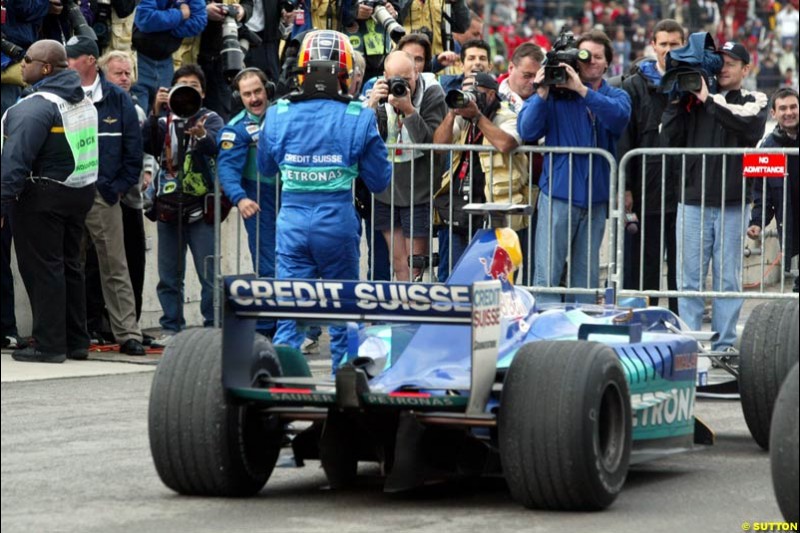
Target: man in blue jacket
point(589, 113)
point(181, 18)
point(252, 193)
point(320, 141)
point(120, 140)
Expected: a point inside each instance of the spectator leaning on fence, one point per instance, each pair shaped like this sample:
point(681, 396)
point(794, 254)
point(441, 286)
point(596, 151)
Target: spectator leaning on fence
point(785, 112)
point(710, 207)
point(647, 106)
point(584, 112)
point(480, 176)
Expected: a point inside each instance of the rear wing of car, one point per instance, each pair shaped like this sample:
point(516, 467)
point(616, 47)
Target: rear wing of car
point(248, 299)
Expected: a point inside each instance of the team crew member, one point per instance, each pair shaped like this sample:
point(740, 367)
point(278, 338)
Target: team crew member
point(252, 193)
point(320, 141)
point(49, 167)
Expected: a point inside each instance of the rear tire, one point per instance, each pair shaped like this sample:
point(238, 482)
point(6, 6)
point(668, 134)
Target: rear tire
point(769, 348)
point(565, 426)
point(202, 441)
point(784, 445)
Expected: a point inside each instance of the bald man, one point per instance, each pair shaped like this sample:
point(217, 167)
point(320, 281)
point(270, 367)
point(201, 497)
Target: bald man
point(49, 167)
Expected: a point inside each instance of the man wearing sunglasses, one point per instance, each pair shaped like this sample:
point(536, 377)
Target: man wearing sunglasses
point(49, 168)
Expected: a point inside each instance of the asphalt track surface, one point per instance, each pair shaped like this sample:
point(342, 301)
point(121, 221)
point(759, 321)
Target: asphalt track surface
point(75, 458)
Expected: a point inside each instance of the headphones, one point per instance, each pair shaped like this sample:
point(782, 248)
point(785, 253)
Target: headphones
point(268, 85)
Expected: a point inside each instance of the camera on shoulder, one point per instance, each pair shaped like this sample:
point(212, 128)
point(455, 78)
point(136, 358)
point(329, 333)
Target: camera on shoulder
point(564, 52)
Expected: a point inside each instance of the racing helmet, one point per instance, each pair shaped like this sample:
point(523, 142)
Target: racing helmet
point(326, 46)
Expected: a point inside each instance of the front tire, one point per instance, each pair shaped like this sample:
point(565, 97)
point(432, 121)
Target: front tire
point(204, 443)
point(565, 426)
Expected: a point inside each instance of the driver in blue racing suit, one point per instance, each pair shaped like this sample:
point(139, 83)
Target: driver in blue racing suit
point(320, 141)
point(251, 192)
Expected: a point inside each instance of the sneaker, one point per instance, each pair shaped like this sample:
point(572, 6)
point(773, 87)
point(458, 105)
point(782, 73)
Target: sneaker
point(310, 347)
point(34, 355)
point(132, 347)
point(161, 342)
point(13, 343)
point(78, 354)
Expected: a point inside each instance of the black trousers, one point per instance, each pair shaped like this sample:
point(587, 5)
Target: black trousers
point(48, 228)
point(8, 322)
point(651, 278)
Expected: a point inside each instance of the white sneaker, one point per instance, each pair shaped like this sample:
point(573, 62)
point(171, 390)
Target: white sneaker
point(310, 347)
point(161, 342)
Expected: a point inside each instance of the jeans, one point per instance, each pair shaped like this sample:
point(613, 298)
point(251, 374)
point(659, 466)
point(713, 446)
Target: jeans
point(582, 240)
point(172, 242)
point(152, 75)
point(700, 244)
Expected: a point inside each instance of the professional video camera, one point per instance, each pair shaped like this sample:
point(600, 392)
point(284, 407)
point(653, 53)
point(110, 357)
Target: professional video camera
point(686, 67)
point(102, 23)
point(564, 52)
point(381, 16)
point(78, 21)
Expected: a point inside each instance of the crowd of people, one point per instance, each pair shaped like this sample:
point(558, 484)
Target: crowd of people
point(116, 113)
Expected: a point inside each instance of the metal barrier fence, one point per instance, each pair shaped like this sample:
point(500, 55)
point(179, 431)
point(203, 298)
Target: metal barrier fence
point(731, 240)
point(610, 269)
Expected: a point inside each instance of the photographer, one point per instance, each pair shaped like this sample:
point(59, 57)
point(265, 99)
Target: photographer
point(733, 118)
point(218, 59)
point(582, 111)
point(185, 142)
point(265, 22)
point(484, 120)
point(370, 37)
point(409, 110)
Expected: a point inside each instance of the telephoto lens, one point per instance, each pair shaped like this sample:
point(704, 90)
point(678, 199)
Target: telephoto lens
point(457, 99)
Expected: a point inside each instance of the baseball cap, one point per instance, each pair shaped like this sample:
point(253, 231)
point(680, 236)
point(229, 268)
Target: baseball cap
point(736, 51)
point(482, 79)
point(79, 45)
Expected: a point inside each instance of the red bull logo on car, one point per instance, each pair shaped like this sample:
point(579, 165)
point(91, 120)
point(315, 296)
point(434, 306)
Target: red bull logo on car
point(506, 257)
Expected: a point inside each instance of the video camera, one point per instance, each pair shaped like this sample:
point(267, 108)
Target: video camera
point(564, 52)
point(381, 16)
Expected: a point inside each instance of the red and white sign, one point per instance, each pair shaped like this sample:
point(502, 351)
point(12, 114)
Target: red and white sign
point(764, 165)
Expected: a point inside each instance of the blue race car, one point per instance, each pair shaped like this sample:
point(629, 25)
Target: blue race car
point(466, 378)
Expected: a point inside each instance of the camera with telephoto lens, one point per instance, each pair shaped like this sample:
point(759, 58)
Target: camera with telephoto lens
point(381, 16)
point(78, 21)
point(290, 5)
point(231, 54)
point(459, 99)
point(16, 53)
point(102, 23)
point(564, 52)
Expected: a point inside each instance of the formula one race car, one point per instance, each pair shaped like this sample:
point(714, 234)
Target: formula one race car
point(466, 378)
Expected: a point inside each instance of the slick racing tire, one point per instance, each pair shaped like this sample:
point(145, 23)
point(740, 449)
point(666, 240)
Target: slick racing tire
point(565, 426)
point(767, 352)
point(784, 441)
point(203, 442)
